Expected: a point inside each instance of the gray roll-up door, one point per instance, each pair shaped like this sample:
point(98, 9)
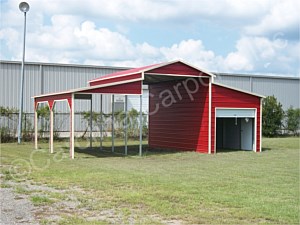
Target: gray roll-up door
point(235, 113)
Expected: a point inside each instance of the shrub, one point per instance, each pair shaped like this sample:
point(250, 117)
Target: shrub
point(272, 116)
point(293, 120)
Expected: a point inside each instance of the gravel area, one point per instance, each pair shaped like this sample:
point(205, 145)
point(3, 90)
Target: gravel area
point(15, 208)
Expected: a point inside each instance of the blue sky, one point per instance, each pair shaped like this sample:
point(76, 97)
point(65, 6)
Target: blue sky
point(234, 36)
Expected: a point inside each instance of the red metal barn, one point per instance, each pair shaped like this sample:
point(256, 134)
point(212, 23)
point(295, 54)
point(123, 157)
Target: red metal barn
point(188, 111)
point(183, 117)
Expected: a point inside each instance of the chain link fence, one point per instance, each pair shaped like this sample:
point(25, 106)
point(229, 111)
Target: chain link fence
point(9, 125)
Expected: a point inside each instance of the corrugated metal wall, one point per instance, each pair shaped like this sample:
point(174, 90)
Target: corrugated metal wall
point(234, 81)
point(10, 85)
point(178, 121)
point(134, 101)
point(44, 78)
point(285, 89)
point(47, 78)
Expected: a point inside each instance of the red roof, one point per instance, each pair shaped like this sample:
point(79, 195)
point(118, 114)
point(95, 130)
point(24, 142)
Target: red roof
point(126, 72)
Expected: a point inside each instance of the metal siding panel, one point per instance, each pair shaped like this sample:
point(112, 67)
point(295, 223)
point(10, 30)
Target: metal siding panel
point(32, 85)
point(56, 78)
point(286, 91)
point(176, 68)
point(234, 81)
point(10, 75)
point(182, 125)
point(60, 78)
point(127, 88)
point(134, 101)
point(267, 86)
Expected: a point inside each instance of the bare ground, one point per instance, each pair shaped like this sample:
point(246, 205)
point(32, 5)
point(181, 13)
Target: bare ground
point(18, 206)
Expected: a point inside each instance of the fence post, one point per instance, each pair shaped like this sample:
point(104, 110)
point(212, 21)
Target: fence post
point(25, 128)
point(141, 126)
point(112, 124)
point(101, 123)
point(126, 125)
point(91, 122)
point(35, 128)
point(8, 123)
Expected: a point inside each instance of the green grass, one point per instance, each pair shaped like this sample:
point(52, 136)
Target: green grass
point(39, 200)
point(237, 187)
point(21, 190)
point(80, 221)
point(4, 185)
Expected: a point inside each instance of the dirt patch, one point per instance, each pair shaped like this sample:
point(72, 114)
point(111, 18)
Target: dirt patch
point(15, 208)
point(23, 202)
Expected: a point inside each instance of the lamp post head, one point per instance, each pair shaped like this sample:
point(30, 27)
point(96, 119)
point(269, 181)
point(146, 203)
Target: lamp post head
point(24, 7)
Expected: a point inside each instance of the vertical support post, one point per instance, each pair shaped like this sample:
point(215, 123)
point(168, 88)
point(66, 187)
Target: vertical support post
point(42, 78)
point(42, 92)
point(51, 127)
point(255, 122)
point(72, 135)
point(209, 116)
point(260, 125)
point(22, 86)
point(25, 122)
point(101, 121)
point(91, 123)
point(125, 124)
point(35, 127)
point(141, 126)
point(113, 124)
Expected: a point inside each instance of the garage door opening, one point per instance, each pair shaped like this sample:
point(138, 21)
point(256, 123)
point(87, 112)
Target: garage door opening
point(235, 130)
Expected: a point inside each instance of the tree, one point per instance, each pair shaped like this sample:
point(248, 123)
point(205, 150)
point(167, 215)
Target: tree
point(7, 131)
point(272, 116)
point(293, 120)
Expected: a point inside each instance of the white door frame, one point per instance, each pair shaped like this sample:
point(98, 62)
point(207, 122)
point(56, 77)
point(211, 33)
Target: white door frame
point(255, 125)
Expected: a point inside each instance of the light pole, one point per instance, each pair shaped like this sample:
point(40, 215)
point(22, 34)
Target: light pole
point(24, 7)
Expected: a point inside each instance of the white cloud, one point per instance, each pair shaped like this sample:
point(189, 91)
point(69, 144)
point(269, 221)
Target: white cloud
point(236, 61)
point(72, 34)
point(191, 50)
point(226, 12)
point(283, 17)
point(67, 40)
point(11, 36)
point(263, 54)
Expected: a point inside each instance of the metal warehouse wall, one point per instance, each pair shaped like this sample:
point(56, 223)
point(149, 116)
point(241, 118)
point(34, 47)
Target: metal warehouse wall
point(43, 78)
point(47, 77)
point(285, 89)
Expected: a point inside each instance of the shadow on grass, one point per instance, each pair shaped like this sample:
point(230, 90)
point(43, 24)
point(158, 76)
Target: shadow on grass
point(119, 151)
point(239, 150)
point(232, 150)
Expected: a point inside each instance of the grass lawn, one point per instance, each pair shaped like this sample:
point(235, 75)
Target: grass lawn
point(231, 187)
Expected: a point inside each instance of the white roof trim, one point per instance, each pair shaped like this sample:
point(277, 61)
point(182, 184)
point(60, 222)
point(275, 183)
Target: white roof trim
point(107, 78)
point(240, 90)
